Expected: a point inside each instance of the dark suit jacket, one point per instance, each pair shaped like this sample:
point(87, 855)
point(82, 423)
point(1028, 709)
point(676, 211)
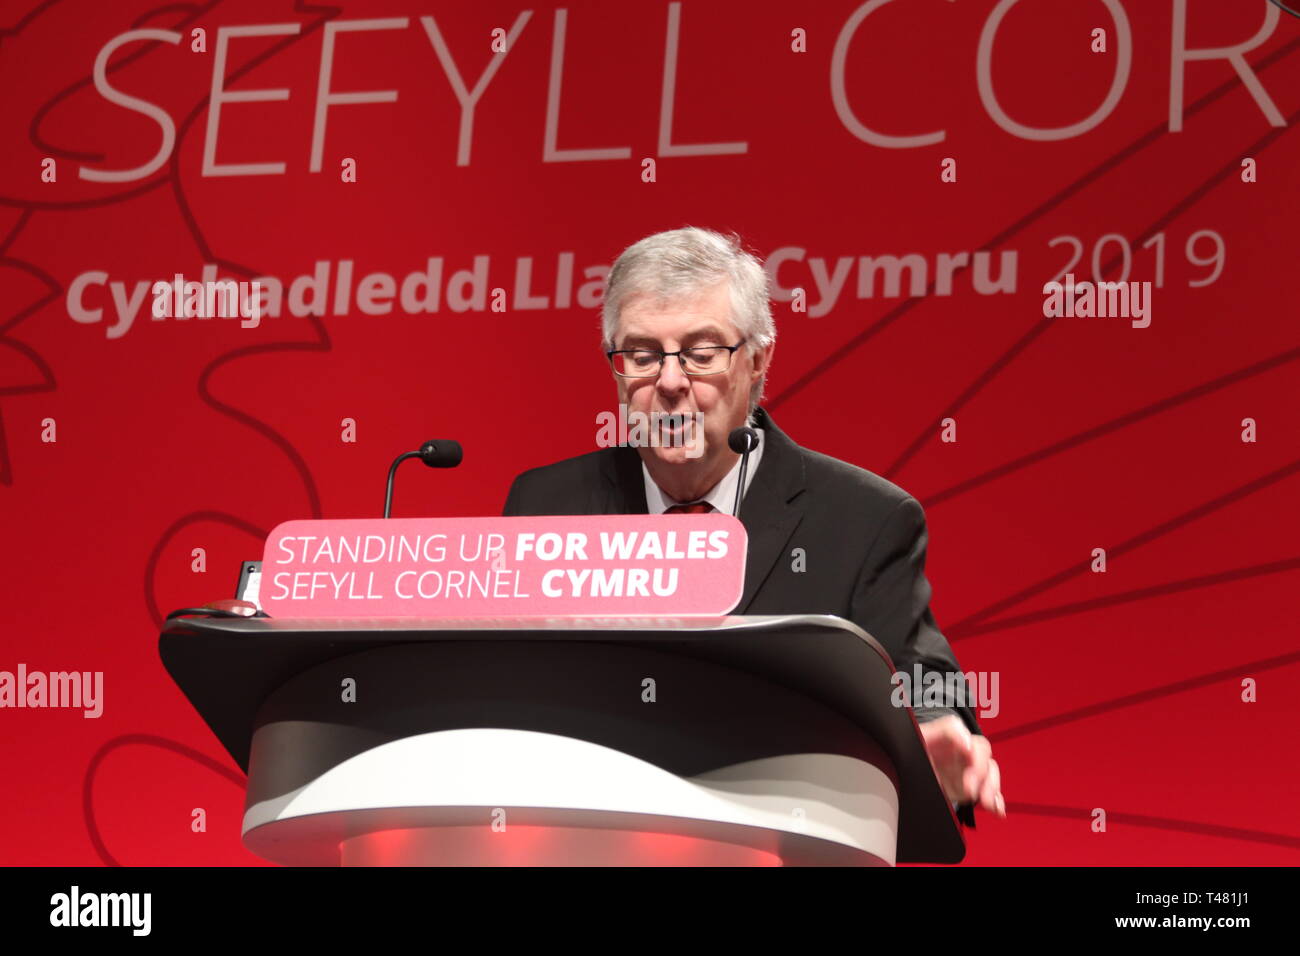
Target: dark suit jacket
point(863, 538)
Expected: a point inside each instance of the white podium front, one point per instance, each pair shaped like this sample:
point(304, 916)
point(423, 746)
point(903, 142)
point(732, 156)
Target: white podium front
point(494, 796)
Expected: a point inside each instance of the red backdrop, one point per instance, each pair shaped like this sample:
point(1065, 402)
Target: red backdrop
point(1119, 690)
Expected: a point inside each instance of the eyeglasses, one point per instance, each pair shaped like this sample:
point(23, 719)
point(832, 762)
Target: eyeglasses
point(646, 363)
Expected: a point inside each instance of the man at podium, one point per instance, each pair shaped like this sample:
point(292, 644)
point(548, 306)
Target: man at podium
point(688, 332)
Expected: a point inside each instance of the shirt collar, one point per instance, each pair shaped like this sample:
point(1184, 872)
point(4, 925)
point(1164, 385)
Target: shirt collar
point(722, 496)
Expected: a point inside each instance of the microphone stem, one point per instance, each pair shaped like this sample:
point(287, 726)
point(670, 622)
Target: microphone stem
point(740, 486)
point(392, 473)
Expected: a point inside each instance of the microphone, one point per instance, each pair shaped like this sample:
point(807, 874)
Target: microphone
point(436, 453)
point(441, 454)
point(742, 440)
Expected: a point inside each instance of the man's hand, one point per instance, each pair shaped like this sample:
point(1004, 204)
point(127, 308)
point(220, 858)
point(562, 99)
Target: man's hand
point(964, 764)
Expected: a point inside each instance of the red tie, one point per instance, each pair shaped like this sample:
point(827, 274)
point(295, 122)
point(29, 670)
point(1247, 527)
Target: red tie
point(694, 508)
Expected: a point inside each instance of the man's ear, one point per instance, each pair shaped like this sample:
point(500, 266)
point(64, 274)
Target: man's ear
point(763, 359)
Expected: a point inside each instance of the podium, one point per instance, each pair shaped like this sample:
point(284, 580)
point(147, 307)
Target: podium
point(722, 741)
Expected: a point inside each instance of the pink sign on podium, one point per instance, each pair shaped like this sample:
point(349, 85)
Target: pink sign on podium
point(488, 567)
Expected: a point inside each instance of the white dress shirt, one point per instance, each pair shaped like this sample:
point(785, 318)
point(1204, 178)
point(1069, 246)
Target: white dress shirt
point(722, 496)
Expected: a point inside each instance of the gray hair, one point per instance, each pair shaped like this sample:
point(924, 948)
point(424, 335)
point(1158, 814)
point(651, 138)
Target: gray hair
point(680, 263)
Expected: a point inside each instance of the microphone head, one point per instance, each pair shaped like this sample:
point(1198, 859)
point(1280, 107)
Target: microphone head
point(743, 439)
point(441, 453)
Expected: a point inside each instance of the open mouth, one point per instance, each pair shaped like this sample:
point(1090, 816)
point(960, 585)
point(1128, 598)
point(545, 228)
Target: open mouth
point(676, 427)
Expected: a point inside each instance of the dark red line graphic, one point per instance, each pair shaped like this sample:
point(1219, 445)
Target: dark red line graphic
point(141, 51)
point(1145, 537)
point(1282, 6)
point(47, 382)
point(25, 215)
point(1228, 170)
point(320, 340)
point(24, 313)
point(1056, 199)
point(27, 18)
point(148, 740)
point(1157, 823)
point(151, 566)
point(1234, 673)
point(83, 203)
point(1123, 597)
point(1115, 424)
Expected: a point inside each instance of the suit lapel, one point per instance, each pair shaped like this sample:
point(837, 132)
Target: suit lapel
point(623, 491)
point(765, 511)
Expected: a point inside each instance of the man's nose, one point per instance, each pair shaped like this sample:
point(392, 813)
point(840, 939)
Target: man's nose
point(671, 377)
